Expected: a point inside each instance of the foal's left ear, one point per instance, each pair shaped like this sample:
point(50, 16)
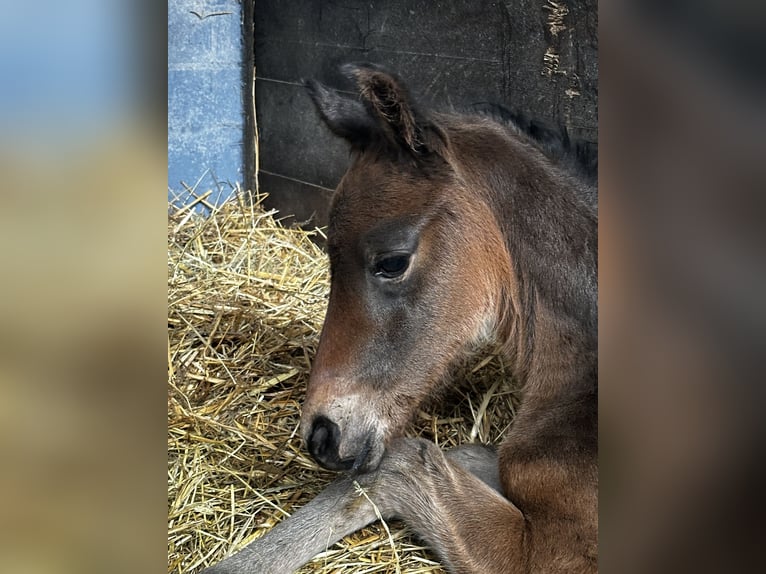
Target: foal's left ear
point(345, 117)
point(399, 119)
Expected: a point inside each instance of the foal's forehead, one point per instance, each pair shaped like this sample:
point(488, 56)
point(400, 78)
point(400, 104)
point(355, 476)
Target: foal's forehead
point(379, 194)
point(358, 222)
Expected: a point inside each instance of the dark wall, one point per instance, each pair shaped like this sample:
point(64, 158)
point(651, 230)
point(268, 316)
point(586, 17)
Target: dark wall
point(539, 57)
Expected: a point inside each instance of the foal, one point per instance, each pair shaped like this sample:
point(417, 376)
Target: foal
point(447, 230)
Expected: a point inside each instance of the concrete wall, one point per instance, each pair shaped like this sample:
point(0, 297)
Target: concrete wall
point(205, 107)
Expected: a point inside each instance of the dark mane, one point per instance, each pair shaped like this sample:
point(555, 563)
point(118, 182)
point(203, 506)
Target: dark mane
point(576, 155)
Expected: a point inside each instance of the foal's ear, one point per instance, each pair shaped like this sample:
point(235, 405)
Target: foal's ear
point(397, 117)
point(345, 117)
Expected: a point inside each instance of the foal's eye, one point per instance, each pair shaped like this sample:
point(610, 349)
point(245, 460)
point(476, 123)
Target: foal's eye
point(391, 266)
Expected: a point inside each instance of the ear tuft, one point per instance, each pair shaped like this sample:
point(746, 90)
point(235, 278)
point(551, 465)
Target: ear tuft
point(388, 100)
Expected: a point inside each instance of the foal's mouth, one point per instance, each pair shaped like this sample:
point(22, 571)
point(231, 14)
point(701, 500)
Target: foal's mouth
point(367, 459)
point(361, 459)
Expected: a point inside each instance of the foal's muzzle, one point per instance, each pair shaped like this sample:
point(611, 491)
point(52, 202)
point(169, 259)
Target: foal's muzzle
point(324, 447)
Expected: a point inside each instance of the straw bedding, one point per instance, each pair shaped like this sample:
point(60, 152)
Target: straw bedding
point(246, 299)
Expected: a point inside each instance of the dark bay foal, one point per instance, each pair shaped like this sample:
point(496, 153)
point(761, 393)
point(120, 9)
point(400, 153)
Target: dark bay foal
point(445, 231)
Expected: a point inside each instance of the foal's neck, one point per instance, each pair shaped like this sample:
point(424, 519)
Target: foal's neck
point(549, 319)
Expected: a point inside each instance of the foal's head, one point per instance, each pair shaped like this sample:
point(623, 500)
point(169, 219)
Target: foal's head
point(415, 278)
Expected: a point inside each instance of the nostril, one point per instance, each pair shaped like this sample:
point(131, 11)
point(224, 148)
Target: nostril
point(320, 436)
point(324, 442)
point(324, 439)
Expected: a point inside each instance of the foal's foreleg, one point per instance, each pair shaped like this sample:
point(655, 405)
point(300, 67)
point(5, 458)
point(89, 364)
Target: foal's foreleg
point(479, 460)
point(336, 512)
point(452, 501)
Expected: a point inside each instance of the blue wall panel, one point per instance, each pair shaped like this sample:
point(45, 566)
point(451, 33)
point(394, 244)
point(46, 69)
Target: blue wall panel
point(205, 109)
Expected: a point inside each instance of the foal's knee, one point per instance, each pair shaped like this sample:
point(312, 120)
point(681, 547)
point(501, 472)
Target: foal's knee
point(412, 458)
